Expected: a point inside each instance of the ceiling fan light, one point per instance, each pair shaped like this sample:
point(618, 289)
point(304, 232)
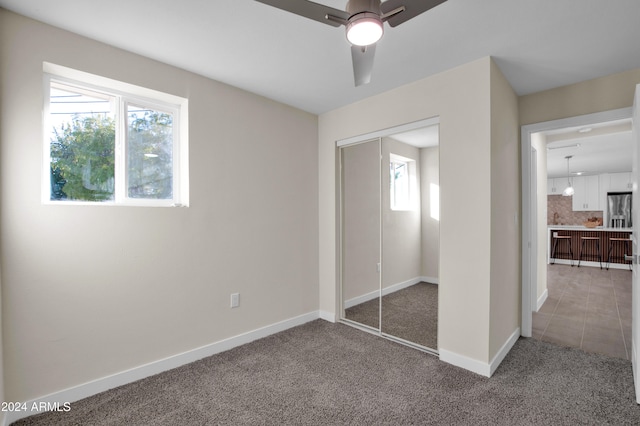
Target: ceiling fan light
point(364, 29)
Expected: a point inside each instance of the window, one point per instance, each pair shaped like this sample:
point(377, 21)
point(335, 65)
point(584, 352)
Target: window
point(112, 143)
point(402, 179)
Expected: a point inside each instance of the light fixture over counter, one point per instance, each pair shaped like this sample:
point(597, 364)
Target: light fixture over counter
point(568, 191)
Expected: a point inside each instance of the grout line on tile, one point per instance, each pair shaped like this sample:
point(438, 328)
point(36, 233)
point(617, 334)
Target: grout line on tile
point(564, 289)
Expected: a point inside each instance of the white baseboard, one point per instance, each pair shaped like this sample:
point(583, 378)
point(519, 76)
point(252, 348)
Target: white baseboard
point(93, 387)
point(361, 299)
point(400, 286)
point(504, 350)
point(430, 280)
point(327, 316)
point(479, 367)
point(542, 299)
point(387, 290)
point(465, 362)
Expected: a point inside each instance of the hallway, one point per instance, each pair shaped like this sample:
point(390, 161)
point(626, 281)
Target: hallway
point(587, 308)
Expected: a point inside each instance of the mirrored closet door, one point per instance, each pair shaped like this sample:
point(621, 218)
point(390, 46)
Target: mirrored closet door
point(360, 176)
point(398, 219)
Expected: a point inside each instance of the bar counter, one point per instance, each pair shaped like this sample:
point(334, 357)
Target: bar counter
point(589, 255)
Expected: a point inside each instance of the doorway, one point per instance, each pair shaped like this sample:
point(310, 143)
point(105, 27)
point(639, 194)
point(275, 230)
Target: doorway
point(535, 239)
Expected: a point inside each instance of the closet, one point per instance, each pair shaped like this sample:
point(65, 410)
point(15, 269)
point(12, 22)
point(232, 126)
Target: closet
point(389, 233)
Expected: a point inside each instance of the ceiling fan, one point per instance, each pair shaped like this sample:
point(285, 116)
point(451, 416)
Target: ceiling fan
point(363, 20)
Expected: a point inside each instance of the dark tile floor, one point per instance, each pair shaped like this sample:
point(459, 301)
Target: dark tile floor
point(587, 308)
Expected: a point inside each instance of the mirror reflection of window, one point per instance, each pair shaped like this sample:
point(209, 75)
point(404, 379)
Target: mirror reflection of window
point(434, 198)
point(402, 181)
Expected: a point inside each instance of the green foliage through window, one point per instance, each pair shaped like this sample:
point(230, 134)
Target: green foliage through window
point(90, 160)
point(150, 152)
point(82, 159)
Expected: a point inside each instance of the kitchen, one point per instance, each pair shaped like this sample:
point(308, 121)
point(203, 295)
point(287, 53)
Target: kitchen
point(589, 185)
point(586, 303)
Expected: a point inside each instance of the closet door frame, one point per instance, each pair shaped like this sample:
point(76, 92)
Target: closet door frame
point(368, 137)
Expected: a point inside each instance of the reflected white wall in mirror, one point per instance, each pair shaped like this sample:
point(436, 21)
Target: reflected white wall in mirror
point(434, 198)
point(360, 229)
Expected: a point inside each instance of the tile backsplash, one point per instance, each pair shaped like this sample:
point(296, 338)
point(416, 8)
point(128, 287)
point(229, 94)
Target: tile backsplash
point(566, 216)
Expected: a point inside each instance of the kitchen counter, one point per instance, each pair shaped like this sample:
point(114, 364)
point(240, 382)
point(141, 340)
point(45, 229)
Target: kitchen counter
point(612, 254)
point(584, 228)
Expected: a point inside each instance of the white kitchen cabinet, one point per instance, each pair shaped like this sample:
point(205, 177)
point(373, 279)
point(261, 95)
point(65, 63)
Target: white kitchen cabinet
point(556, 186)
point(620, 182)
point(587, 193)
point(605, 184)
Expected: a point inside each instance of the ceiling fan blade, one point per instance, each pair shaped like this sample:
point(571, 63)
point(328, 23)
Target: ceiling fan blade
point(311, 10)
point(362, 63)
point(412, 8)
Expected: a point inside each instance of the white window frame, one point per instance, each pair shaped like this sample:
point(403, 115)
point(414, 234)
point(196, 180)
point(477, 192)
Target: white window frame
point(125, 94)
point(410, 167)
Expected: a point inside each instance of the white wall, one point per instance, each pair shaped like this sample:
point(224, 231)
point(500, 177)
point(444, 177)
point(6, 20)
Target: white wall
point(600, 94)
point(430, 174)
point(89, 291)
point(361, 219)
point(461, 98)
point(505, 215)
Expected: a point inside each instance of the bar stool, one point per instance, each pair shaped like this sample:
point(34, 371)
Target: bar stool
point(586, 240)
point(627, 245)
point(554, 247)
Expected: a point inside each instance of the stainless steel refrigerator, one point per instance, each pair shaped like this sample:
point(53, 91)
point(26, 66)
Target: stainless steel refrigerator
point(619, 209)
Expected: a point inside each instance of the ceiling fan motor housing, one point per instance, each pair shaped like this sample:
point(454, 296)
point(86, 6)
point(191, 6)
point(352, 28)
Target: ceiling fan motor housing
point(363, 14)
point(355, 7)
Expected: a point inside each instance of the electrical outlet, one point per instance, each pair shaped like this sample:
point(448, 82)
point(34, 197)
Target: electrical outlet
point(235, 300)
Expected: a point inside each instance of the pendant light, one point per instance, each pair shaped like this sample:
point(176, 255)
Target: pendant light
point(568, 191)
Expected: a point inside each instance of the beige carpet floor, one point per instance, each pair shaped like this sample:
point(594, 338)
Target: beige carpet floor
point(332, 374)
point(410, 314)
